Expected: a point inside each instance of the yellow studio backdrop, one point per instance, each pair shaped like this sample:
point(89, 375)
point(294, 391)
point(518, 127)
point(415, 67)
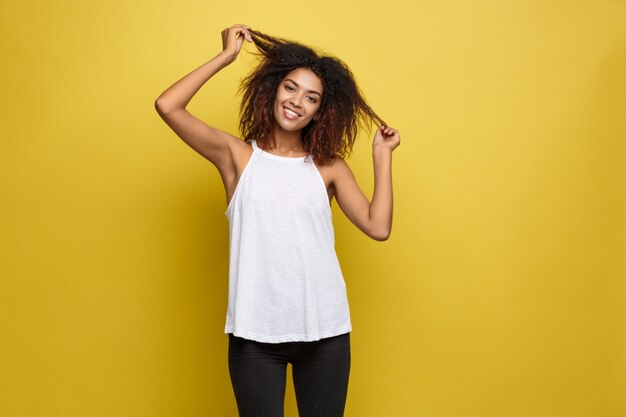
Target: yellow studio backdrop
point(500, 292)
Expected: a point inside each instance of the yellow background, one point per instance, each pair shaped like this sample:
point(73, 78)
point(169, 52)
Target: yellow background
point(501, 292)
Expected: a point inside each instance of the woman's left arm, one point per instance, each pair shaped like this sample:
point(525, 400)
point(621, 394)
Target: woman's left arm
point(375, 218)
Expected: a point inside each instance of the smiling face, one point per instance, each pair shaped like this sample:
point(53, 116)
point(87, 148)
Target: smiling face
point(298, 99)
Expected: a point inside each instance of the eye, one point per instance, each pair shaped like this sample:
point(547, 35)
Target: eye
point(289, 88)
point(313, 100)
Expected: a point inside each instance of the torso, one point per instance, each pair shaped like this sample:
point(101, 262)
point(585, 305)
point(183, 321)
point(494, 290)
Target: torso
point(241, 159)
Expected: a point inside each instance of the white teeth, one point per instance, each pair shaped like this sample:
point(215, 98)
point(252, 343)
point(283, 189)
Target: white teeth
point(290, 112)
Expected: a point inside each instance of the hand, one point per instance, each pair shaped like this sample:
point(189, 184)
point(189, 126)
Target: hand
point(231, 42)
point(386, 138)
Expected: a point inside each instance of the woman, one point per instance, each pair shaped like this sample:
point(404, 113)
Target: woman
point(287, 297)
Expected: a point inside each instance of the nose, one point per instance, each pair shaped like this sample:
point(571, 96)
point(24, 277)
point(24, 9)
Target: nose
point(296, 100)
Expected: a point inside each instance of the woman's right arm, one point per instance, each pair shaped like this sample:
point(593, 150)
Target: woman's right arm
point(212, 143)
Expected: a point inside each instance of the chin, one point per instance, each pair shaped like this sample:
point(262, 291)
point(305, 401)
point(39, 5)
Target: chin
point(289, 127)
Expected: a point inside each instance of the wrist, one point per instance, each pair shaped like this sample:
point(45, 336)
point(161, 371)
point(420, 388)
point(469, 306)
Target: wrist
point(227, 57)
point(381, 151)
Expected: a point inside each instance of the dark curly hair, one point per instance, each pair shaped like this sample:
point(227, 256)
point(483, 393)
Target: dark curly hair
point(342, 108)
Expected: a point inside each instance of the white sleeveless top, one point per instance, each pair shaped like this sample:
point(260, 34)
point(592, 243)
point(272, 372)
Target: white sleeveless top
point(285, 282)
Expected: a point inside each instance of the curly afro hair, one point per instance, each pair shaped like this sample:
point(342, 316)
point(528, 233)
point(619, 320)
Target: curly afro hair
point(342, 108)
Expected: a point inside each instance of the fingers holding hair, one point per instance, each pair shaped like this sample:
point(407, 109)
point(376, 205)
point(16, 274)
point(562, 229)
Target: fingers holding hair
point(232, 42)
point(388, 131)
point(244, 30)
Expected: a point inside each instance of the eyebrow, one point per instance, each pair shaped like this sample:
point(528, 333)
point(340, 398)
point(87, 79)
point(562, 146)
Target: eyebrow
point(310, 91)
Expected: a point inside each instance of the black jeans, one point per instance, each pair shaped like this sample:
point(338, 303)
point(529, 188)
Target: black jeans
point(258, 372)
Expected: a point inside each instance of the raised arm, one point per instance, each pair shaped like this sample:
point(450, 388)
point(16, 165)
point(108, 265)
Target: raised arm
point(214, 144)
point(375, 218)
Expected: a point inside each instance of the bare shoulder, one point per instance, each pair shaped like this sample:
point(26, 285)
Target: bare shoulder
point(240, 152)
point(338, 169)
point(330, 170)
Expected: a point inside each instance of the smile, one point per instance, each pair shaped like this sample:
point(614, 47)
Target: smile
point(289, 114)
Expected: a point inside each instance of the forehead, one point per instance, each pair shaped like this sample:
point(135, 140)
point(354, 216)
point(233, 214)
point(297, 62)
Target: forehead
point(306, 79)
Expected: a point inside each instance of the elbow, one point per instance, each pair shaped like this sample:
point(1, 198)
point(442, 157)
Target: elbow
point(158, 106)
point(381, 235)
point(162, 107)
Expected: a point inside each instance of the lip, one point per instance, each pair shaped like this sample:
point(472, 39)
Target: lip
point(285, 107)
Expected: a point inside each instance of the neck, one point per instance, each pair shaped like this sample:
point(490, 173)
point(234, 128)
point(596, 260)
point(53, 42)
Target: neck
point(285, 142)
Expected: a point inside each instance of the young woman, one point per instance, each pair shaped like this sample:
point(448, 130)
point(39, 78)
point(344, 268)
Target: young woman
point(287, 298)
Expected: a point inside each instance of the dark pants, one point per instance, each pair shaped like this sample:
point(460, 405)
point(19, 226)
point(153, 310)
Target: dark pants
point(320, 369)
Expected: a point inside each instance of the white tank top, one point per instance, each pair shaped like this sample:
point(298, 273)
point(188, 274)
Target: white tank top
point(285, 282)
